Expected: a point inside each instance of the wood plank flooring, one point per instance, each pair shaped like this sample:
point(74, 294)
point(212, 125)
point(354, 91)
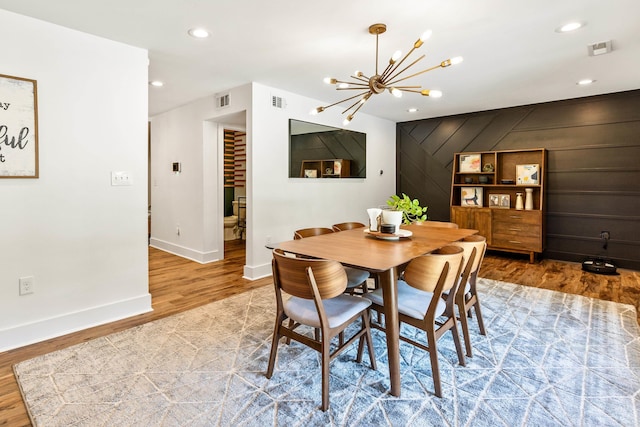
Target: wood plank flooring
point(177, 284)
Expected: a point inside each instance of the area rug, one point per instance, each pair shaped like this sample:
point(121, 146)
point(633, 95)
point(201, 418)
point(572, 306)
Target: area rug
point(549, 359)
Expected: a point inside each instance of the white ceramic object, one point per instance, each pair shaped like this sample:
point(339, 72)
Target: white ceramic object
point(392, 217)
point(528, 200)
point(373, 213)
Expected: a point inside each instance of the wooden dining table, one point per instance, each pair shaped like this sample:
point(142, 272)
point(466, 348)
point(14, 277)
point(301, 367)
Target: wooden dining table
point(360, 249)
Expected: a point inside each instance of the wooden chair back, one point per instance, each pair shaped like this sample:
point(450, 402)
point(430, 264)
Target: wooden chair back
point(440, 224)
point(347, 226)
point(295, 276)
point(309, 232)
point(479, 243)
point(424, 272)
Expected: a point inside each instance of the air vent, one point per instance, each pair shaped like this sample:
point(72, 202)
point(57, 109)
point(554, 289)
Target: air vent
point(278, 102)
point(222, 101)
point(599, 48)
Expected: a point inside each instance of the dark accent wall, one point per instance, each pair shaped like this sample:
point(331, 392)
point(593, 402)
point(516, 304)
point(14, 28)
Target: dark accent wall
point(593, 167)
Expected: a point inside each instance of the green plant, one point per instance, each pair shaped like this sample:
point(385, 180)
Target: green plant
point(411, 209)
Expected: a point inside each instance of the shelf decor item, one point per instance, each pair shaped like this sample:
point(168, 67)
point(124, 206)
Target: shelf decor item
point(519, 204)
point(471, 197)
point(502, 201)
point(310, 173)
point(470, 163)
point(528, 199)
point(527, 174)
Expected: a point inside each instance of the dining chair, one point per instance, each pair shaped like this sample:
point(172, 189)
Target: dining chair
point(347, 226)
point(467, 295)
point(316, 298)
point(356, 278)
point(421, 303)
point(440, 224)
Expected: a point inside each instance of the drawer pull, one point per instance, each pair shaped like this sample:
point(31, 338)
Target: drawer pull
point(515, 216)
point(514, 229)
point(515, 241)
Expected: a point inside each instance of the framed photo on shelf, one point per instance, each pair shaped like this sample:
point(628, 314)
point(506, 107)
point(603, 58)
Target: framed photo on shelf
point(310, 173)
point(527, 174)
point(471, 197)
point(502, 201)
point(470, 163)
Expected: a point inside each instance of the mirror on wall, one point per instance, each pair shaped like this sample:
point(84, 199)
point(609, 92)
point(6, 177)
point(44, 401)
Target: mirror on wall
point(318, 151)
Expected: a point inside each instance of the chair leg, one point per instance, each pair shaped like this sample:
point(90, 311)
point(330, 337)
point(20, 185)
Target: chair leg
point(464, 321)
point(326, 358)
point(274, 348)
point(483, 331)
point(456, 341)
point(367, 336)
point(435, 367)
point(290, 326)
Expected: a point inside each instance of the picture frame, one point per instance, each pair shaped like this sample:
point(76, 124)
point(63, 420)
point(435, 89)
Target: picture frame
point(471, 197)
point(528, 174)
point(470, 163)
point(18, 127)
point(310, 173)
point(500, 201)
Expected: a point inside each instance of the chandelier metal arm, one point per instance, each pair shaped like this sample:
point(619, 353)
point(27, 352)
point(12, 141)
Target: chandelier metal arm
point(354, 104)
point(391, 77)
point(417, 74)
point(344, 100)
point(398, 63)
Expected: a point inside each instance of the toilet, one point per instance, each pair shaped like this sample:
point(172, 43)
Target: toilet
point(231, 231)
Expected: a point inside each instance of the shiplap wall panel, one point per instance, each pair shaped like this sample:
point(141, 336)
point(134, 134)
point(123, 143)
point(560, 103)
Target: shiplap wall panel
point(593, 167)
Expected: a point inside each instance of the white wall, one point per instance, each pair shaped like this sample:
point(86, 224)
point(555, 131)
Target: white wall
point(193, 199)
point(82, 240)
point(277, 204)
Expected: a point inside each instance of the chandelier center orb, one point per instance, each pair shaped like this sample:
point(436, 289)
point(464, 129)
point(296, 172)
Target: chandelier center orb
point(376, 85)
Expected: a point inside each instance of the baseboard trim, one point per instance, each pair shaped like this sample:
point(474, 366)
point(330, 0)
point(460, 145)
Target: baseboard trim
point(257, 272)
point(184, 252)
point(53, 327)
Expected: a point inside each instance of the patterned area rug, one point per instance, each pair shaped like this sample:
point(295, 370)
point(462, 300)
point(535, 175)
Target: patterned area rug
point(549, 359)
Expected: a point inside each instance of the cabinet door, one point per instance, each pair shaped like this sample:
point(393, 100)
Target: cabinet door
point(473, 218)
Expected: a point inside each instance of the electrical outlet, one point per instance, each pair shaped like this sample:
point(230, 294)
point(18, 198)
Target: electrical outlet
point(25, 285)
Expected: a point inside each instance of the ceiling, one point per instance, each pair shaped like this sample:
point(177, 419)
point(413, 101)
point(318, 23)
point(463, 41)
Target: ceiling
point(512, 55)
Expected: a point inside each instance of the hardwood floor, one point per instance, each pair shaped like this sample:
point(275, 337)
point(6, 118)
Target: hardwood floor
point(177, 284)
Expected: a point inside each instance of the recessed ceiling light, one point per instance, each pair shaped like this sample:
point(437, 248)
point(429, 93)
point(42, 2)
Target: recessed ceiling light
point(199, 33)
point(412, 110)
point(585, 82)
point(571, 26)
point(156, 83)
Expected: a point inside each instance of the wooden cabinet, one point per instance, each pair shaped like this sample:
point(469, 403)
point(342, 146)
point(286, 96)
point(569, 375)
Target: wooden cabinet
point(485, 187)
point(330, 168)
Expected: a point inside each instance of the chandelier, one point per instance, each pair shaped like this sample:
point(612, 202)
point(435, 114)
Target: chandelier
point(389, 79)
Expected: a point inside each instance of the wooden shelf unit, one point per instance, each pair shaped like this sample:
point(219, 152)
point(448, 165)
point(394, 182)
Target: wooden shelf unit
point(329, 168)
point(506, 229)
point(235, 158)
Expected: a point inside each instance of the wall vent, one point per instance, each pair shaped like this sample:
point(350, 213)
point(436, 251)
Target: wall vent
point(222, 101)
point(278, 102)
point(599, 48)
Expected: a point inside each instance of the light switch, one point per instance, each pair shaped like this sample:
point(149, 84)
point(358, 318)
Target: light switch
point(120, 178)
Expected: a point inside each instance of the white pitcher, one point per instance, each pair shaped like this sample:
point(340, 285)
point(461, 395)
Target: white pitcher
point(374, 214)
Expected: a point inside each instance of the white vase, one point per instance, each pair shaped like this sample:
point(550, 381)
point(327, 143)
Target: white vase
point(392, 217)
point(519, 204)
point(528, 199)
point(374, 218)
